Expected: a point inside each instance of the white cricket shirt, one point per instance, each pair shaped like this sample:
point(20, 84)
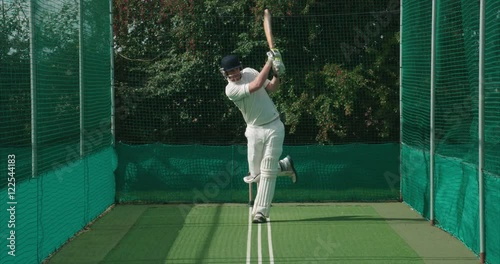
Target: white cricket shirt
point(257, 108)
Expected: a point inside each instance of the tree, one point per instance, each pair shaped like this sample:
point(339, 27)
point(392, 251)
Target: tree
point(169, 89)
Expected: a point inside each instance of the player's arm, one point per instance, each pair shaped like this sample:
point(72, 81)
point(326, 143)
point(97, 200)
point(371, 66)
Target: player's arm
point(273, 85)
point(261, 78)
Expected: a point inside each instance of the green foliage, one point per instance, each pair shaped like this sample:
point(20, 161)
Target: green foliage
point(342, 69)
point(346, 102)
point(166, 85)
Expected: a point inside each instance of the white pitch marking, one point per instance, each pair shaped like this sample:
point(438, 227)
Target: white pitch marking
point(259, 243)
point(270, 241)
point(249, 236)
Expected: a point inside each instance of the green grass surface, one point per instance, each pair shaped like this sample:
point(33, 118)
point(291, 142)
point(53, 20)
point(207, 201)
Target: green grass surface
point(300, 233)
point(336, 234)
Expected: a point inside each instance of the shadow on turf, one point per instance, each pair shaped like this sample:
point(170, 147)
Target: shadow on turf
point(348, 218)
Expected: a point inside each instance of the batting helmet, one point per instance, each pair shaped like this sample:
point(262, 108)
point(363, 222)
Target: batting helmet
point(230, 62)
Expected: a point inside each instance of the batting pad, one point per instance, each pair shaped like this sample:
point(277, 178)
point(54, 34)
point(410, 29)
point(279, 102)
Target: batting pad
point(267, 184)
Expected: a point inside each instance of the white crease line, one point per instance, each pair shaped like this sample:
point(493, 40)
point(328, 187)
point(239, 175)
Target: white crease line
point(259, 244)
point(249, 236)
point(270, 241)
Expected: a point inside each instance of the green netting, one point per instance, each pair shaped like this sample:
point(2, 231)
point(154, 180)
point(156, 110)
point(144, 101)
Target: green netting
point(492, 89)
point(56, 100)
point(340, 90)
point(491, 211)
point(456, 185)
point(492, 128)
point(415, 104)
point(96, 75)
point(55, 130)
point(176, 173)
point(15, 110)
point(415, 71)
point(456, 85)
point(342, 67)
point(340, 93)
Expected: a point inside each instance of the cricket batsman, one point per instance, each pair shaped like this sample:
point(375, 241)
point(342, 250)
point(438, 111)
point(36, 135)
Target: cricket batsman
point(249, 90)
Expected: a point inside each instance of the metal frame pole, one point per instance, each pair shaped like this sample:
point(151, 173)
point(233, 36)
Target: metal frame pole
point(80, 78)
point(34, 128)
point(112, 69)
point(400, 96)
point(481, 130)
point(432, 113)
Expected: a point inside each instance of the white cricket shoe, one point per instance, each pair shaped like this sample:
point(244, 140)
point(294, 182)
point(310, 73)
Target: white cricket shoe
point(259, 218)
point(288, 169)
point(250, 178)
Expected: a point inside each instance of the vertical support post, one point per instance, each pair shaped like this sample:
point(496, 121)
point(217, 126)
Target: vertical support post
point(34, 128)
point(432, 113)
point(81, 84)
point(400, 96)
point(112, 70)
point(80, 78)
point(481, 131)
point(250, 195)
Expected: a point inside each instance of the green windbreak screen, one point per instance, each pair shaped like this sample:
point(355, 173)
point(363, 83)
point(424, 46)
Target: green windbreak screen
point(203, 174)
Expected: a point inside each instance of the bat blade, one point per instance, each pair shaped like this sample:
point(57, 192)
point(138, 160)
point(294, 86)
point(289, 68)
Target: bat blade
point(268, 29)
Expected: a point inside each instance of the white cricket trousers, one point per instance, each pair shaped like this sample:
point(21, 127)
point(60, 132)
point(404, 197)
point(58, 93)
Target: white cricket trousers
point(264, 141)
point(265, 145)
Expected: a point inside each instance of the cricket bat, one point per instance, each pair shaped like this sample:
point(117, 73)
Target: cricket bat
point(268, 29)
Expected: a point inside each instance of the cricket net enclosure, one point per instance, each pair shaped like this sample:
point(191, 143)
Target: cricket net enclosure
point(450, 145)
point(122, 101)
point(56, 145)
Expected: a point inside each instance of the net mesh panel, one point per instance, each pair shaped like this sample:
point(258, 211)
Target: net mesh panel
point(456, 117)
point(456, 108)
point(56, 82)
point(15, 113)
point(96, 59)
point(71, 58)
point(492, 89)
point(169, 87)
point(492, 128)
point(178, 130)
point(416, 45)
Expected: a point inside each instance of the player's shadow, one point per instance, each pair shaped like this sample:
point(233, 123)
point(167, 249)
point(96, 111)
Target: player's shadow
point(348, 218)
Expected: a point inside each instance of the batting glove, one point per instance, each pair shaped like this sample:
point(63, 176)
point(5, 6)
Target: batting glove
point(278, 67)
point(276, 53)
point(270, 56)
